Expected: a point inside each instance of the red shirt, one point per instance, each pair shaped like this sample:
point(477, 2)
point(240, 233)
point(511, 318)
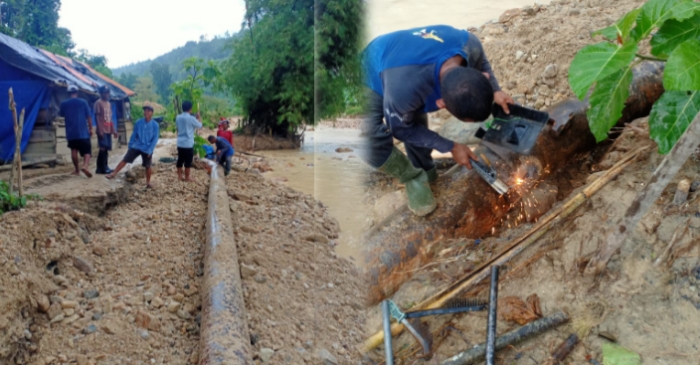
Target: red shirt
point(228, 135)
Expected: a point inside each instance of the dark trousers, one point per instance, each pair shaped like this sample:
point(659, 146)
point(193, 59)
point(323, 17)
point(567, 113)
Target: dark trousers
point(225, 161)
point(378, 139)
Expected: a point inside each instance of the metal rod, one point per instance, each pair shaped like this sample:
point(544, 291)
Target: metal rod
point(433, 312)
point(386, 317)
point(491, 327)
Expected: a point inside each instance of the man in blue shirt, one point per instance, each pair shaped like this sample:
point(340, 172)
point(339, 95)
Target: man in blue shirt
point(411, 73)
point(224, 152)
point(186, 124)
point(76, 113)
point(142, 143)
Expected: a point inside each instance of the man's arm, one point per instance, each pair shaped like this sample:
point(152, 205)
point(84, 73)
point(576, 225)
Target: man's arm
point(154, 139)
point(98, 112)
point(479, 60)
point(196, 122)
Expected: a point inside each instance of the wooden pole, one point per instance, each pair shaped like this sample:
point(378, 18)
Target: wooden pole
point(513, 249)
point(12, 108)
point(18, 150)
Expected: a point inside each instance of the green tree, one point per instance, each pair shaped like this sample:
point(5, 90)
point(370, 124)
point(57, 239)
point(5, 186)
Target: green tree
point(145, 90)
point(338, 28)
point(36, 22)
point(162, 79)
point(97, 62)
point(128, 79)
point(674, 29)
point(200, 76)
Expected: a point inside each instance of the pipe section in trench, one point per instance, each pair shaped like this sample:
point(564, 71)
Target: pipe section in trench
point(224, 337)
point(469, 208)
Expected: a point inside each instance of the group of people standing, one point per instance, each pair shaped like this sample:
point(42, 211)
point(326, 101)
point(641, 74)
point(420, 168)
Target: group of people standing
point(143, 141)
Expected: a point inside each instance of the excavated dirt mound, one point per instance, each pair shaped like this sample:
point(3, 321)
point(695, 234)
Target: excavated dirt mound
point(303, 301)
point(119, 289)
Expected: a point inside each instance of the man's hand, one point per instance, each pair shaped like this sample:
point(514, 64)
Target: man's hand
point(462, 155)
point(90, 132)
point(503, 99)
point(116, 135)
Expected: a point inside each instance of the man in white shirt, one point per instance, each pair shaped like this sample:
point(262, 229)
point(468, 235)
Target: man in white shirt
point(186, 124)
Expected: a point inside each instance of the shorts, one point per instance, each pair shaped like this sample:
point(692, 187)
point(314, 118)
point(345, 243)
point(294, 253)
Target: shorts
point(105, 142)
point(131, 155)
point(83, 146)
point(185, 157)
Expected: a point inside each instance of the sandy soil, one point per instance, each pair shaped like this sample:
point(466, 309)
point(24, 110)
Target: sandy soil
point(302, 299)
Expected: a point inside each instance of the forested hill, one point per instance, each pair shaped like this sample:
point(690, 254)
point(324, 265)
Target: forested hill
point(214, 49)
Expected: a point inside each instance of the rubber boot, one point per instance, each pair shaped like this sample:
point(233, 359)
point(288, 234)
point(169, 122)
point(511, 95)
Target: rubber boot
point(420, 198)
point(100, 169)
point(432, 175)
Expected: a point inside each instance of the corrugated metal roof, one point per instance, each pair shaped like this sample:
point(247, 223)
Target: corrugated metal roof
point(57, 69)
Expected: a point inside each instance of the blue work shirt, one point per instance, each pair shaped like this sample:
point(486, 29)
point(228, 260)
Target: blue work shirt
point(76, 112)
point(144, 137)
point(223, 145)
point(186, 124)
point(403, 67)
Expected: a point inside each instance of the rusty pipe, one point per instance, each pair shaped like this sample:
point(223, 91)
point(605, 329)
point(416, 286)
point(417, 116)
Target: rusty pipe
point(224, 337)
point(469, 208)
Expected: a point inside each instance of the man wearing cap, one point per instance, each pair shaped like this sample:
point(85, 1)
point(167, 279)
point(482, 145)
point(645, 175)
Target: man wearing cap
point(105, 130)
point(142, 143)
point(76, 113)
point(186, 124)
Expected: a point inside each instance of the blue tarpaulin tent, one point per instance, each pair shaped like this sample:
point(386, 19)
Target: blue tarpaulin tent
point(36, 76)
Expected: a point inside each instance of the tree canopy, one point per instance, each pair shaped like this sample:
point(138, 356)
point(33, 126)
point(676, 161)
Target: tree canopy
point(286, 51)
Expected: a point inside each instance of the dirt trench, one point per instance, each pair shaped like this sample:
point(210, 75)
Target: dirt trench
point(122, 288)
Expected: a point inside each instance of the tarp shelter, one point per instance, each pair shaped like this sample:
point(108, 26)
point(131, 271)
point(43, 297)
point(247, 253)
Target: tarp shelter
point(39, 80)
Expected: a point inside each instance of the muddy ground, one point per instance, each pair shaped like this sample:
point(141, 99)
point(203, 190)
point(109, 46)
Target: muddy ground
point(651, 310)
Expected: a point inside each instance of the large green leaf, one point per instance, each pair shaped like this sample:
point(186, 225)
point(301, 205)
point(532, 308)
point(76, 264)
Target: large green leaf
point(655, 12)
point(597, 61)
point(673, 33)
point(618, 355)
point(607, 102)
point(670, 117)
point(622, 27)
point(682, 70)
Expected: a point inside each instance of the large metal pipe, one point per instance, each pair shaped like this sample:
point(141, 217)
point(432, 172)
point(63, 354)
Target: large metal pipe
point(492, 320)
point(224, 337)
point(469, 208)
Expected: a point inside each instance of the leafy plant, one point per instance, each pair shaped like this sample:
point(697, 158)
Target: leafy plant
point(12, 201)
point(608, 65)
point(199, 143)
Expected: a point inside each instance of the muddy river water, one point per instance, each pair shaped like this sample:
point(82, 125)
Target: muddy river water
point(335, 178)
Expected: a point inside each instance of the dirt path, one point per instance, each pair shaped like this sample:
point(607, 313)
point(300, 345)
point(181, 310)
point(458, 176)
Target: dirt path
point(303, 301)
point(122, 289)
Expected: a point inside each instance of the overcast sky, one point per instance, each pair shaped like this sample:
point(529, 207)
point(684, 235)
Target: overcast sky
point(129, 31)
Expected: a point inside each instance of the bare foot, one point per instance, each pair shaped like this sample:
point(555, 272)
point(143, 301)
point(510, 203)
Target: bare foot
point(149, 186)
point(189, 179)
point(75, 173)
point(86, 172)
point(110, 176)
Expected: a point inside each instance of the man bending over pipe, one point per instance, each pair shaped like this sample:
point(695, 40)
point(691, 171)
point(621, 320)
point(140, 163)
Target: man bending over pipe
point(410, 73)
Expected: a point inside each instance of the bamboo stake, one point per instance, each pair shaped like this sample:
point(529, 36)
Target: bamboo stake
point(18, 151)
point(513, 249)
point(13, 108)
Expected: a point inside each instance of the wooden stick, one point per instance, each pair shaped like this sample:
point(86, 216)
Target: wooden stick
point(13, 108)
point(668, 168)
point(516, 247)
point(18, 151)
